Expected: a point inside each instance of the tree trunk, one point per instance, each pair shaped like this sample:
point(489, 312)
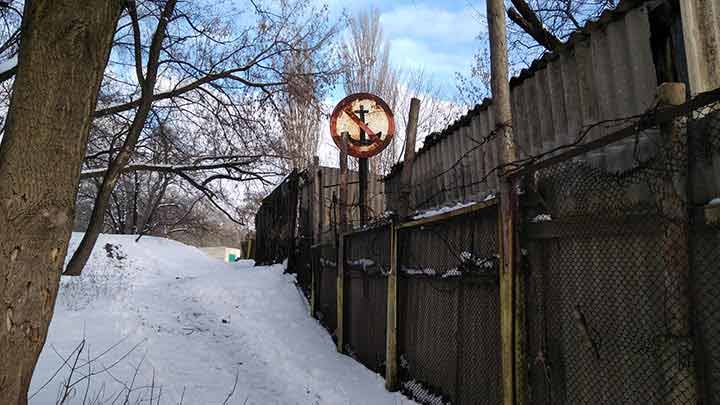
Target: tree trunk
point(64, 49)
point(102, 202)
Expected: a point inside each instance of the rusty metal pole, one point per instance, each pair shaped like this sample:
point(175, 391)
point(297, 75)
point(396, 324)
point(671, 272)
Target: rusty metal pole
point(363, 186)
point(407, 170)
point(511, 316)
point(343, 186)
point(343, 220)
point(363, 174)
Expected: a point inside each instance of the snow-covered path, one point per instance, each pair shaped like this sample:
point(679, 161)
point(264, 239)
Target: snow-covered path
point(199, 324)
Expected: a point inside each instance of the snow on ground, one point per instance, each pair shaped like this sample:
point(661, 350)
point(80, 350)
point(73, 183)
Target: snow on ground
point(165, 319)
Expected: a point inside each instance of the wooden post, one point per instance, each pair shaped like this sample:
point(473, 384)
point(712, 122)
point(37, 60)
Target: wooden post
point(316, 201)
point(391, 358)
point(315, 198)
point(677, 353)
point(343, 186)
point(313, 281)
point(407, 170)
point(511, 299)
point(340, 292)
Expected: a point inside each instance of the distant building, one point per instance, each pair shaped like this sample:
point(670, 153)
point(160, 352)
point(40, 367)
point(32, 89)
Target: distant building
point(226, 254)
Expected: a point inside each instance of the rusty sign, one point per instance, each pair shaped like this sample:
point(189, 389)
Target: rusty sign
point(365, 121)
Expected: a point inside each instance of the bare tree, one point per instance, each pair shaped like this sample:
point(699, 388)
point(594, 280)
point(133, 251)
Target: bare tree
point(475, 86)
point(63, 49)
point(300, 110)
point(214, 79)
point(437, 110)
point(366, 55)
point(550, 22)
point(538, 26)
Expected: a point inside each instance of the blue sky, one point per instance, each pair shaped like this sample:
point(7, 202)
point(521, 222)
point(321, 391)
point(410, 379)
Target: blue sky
point(438, 36)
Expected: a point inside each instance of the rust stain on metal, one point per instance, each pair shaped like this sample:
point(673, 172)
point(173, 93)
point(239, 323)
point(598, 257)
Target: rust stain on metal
point(365, 121)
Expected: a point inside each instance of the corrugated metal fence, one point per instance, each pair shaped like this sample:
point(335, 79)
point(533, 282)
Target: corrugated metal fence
point(607, 73)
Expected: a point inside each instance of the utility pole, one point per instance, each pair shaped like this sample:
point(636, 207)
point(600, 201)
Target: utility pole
point(407, 170)
point(511, 298)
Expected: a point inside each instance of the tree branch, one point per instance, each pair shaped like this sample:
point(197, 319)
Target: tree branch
point(527, 19)
point(161, 168)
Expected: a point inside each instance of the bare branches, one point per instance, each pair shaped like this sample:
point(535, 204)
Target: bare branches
point(137, 40)
point(162, 168)
point(538, 26)
point(191, 98)
point(525, 17)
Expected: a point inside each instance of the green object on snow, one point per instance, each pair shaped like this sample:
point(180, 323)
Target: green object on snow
point(231, 257)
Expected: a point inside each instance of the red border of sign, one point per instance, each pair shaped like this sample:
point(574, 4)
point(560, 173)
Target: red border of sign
point(339, 109)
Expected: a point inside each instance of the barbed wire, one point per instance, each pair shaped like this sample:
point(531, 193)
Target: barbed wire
point(630, 126)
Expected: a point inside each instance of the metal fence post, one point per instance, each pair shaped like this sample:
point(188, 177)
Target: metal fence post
point(391, 358)
point(340, 290)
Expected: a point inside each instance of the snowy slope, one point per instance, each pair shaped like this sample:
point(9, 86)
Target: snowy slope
point(162, 318)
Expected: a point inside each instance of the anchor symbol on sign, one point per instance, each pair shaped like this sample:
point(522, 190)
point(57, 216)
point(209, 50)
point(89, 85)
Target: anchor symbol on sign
point(364, 129)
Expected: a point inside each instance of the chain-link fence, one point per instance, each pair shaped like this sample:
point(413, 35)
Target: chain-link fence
point(705, 291)
point(449, 310)
point(615, 269)
point(367, 264)
point(619, 253)
point(704, 130)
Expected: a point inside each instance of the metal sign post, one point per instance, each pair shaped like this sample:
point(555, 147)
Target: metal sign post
point(364, 124)
point(363, 170)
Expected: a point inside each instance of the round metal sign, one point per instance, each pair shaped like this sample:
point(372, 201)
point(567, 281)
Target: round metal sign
point(365, 121)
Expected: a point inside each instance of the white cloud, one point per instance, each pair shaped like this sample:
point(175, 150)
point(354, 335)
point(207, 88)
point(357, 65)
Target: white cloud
point(434, 37)
point(439, 25)
point(410, 53)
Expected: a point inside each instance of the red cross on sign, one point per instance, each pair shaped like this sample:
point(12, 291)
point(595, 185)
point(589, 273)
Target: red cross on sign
point(365, 121)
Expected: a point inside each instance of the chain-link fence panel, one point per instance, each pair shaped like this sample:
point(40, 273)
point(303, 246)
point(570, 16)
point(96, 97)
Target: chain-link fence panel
point(706, 297)
point(704, 130)
point(609, 291)
point(326, 286)
point(448, 310)
point(367, 263)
